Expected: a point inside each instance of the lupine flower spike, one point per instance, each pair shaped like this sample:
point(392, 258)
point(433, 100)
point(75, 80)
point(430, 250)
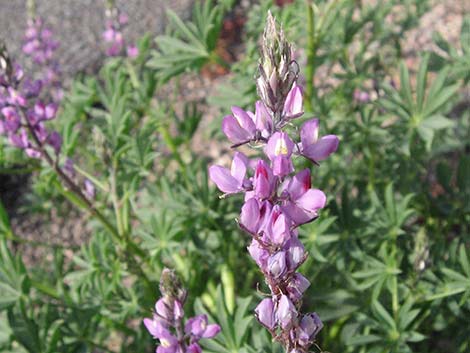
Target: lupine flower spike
point(166, 324)
point(116, 21)
point(277, 199)
point(23, 121)
point(40, 46)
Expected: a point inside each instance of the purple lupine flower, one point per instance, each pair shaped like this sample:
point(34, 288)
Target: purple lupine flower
point(360, 96)
point(310, 325)
point(132, 51)
point(55, 140)
point(233, 180)
point(277, 264)
point(263, 180)
point(297, 286)
point(239, 127)
point(263, 120)
point(279, 150)
point(265, 313)
point(20, 140)
point(166, 325)
point(277, 202)
point(302, 203)
point(197, 327)
point(40, 46)
point(293, 107)
point(12, 120)
point(22, 114)
point(113, 35)
point(286, 312)
point(259, 254)
point(277, 228)
point(90, 190)
point(314, 148)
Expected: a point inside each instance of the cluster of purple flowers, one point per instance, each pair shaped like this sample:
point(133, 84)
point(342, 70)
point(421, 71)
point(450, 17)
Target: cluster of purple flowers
point(277, 201)
point(40, 46)
point(23, 115)
point(113, 36)
point(166, 325)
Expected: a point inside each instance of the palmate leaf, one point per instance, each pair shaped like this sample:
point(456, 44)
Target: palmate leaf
point(234, 326)
point(455, 282)
point(13, 277)
point(191, 43)
point(423, 114)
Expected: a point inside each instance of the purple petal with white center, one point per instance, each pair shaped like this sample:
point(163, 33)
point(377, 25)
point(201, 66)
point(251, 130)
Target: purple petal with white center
point(279, 144)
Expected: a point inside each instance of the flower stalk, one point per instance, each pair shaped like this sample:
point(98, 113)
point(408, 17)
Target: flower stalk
point(166, 324)
point(277, 200)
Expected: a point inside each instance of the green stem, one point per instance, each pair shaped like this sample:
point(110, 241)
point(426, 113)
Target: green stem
point(395, 277)
point(130, 247)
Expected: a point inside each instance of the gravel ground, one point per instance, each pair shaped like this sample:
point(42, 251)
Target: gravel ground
point(79, 24)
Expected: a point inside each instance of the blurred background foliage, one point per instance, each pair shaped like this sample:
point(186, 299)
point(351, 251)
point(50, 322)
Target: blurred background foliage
point(389, 257)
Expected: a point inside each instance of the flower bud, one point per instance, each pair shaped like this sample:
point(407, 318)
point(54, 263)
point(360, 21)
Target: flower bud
point(171, 286)
point(265, 313)
point(277, 264)
point(286, 312)
point(277, 69)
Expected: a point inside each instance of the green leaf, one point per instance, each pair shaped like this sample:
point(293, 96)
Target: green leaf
point(463, 173)
point(421, 81)
point(463, 259)
point(465, 35)
point(436, 101)
point(405, 88)
point(381, 314)
point(8, 296)
point(363, 339)
point(437, 122)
